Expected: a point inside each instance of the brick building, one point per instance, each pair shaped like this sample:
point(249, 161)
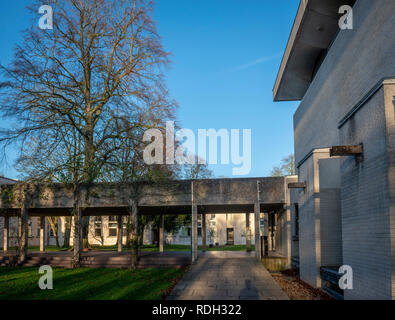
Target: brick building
point(343, 211)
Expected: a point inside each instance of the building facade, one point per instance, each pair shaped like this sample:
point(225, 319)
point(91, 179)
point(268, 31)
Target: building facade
point(222, 229)
point(343, 212)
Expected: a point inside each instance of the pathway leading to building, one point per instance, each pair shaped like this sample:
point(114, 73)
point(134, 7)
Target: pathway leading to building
point(221, 275)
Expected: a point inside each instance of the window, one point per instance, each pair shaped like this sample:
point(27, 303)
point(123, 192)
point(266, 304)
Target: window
point(98, 226)
point(97, 232)
point(112, 226)
point(199, 232)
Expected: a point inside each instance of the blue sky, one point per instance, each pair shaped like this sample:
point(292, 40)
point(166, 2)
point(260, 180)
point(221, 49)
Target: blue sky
point(225, 58)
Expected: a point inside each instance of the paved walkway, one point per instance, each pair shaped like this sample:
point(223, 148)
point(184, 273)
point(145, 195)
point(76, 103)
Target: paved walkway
point(227, 276)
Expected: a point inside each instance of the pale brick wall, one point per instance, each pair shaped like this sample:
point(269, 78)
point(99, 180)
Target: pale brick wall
point(357, 60)
point(365, 200)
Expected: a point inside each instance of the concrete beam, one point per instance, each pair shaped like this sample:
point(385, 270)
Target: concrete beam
point(297, 185)
point(42, 234)
point(110, 198)
point(346, 151)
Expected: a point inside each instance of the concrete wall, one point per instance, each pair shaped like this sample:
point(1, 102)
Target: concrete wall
point(320, 230)
point(355, 63)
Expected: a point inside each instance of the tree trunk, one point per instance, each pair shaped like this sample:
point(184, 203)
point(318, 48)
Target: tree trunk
point(53, 222)
point(77, 241)
point(23, 244)
point(133, 234)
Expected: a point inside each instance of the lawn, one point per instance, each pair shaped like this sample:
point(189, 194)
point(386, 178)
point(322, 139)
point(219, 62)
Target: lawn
point(88, 284)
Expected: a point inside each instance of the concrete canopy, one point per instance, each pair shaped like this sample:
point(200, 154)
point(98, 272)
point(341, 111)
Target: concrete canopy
point(172, 197)
point(315, 28)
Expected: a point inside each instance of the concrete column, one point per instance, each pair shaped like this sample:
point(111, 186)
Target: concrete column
point(42, 234)
point(248, 233)
point(194, 233)
point(204, 233)
point(120, 233)
point(6, 232)
point(257, 213)
point(161, 232)
point(24, 243)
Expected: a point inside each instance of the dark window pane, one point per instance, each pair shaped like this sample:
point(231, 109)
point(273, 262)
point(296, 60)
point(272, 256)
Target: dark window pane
point(97, 232)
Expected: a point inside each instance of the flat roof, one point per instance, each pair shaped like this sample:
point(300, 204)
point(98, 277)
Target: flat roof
point(4, 180)
point(315, 28)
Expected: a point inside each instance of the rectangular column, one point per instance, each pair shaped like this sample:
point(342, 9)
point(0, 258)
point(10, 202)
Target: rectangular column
point(194, 233)
point(6, 232)
point(257, 213)
point(204, 233)
point(161, 232)
point(42, 234)
point(120, 233)
point(248, 233)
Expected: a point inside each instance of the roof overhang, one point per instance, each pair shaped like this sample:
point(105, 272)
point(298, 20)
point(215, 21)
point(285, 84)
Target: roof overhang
point(316, 26)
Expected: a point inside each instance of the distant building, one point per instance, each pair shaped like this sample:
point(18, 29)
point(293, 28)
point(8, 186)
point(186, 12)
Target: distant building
point(4, 180)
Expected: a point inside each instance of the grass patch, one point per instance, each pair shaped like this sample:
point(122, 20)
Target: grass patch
point(88, 284)
point(37, 248)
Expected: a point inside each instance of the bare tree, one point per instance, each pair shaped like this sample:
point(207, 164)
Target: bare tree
point(101, 65)
point(286, 168)
point(196, 171)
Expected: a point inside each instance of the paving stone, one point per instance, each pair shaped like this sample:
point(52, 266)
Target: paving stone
point(223, 276)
